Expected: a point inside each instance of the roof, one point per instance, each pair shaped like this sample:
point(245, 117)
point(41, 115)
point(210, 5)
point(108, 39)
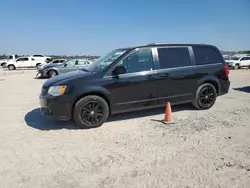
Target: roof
point(164, 44)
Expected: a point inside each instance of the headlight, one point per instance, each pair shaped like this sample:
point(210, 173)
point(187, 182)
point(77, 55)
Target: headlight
point(57, 90)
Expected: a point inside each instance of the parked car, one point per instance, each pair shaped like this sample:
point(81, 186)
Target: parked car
point(71, 65)
point(238, 62)
point(3, 62)
point(24, 62)
point(55, 62)
point(41, 58)
point(137, 78)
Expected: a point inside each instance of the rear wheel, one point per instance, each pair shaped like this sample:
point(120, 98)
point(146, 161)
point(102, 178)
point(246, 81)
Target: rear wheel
point(52, 73)
point(205, 96)
point(236, 66)
point(90, 112)
point(3, 64)
point(11, 67)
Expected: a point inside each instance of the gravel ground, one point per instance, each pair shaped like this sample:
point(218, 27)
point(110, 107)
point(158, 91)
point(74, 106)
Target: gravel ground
point(202, 149)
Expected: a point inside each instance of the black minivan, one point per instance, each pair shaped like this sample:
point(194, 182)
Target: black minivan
point(137, 78)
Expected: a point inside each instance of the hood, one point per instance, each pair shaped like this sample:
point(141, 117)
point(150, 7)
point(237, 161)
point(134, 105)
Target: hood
point(66, 77)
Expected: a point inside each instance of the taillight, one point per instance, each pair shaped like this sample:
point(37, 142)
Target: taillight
point(226, 68)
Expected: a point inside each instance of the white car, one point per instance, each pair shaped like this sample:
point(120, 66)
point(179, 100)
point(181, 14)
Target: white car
point(238, 62)
point(3, 62)
point(41, 58)
point(24, 62)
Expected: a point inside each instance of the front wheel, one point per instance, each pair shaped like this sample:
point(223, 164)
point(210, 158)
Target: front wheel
point(52, 73)
point(11, 67)
point(90, 112)
point(205, 96)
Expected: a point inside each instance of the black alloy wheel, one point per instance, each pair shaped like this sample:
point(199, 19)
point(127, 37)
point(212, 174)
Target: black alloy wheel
point(205, 96)
point(91, 111)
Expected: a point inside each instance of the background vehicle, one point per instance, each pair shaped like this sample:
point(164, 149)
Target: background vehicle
point(24, 62)
point(237, 62)
point(70, 65)
point(3, 62)
point(55, 62)
point(137, 78)
point(42, 58)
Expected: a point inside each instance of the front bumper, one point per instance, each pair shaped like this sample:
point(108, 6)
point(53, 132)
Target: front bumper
point(55, 107)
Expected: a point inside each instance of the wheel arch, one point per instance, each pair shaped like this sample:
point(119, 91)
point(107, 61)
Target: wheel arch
point(3, 63)
point(99, 93)
point(211, 80)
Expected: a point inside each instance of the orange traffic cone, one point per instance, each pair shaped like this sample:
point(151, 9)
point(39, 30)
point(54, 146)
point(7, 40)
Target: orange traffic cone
point(168, 114)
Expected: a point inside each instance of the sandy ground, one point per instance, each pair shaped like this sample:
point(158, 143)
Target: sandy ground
point(202, 149)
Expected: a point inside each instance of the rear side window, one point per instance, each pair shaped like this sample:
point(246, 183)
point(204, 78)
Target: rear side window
point(174, 57)
point(80, 62)
point(56, 61)
point(245, 58)
point(206, 55)
point(23, 59)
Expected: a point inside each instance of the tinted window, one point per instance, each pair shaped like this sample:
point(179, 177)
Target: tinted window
point(23, 59)
point(174, 57)
point(37, 56)
point(56, 61)
point(206, 55)
point(245, 58)
point(80, 62)
point(61, 61)
point(138, 61)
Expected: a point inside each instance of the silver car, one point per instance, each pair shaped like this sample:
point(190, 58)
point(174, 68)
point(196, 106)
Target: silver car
point(70, 65)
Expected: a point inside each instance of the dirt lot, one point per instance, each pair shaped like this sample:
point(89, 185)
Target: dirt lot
point(202, 149)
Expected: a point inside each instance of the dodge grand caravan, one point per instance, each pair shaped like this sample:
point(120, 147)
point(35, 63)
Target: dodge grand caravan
point(137, 78)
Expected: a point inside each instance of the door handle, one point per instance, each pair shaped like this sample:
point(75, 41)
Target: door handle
point(165, 75)
point(151, 77)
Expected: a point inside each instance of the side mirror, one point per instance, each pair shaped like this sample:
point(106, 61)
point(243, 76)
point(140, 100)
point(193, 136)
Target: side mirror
point(119, 70)
point(65, 65)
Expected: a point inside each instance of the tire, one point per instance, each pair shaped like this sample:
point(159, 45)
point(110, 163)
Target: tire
point(83, 117)
point(3, 64)
point(11, 67)
point(201, 97)
point(37, 65)
point(52, 73)
point(236, 66)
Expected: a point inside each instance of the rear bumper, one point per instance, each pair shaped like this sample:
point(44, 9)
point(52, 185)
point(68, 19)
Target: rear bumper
point(225, 85)
point(55, 108)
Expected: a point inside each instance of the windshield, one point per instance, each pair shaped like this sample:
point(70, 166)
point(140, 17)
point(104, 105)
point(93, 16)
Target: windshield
point(234, 58)
point(103, 62)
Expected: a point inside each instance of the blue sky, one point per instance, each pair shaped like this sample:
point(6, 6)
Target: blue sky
point(95, 27)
